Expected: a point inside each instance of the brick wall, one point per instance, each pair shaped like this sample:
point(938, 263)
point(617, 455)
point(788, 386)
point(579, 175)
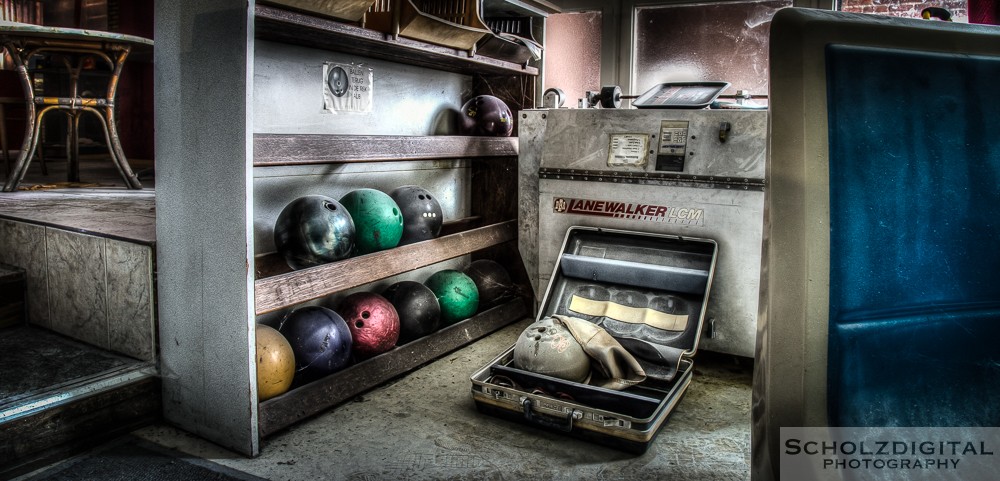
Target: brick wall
point(902, 8)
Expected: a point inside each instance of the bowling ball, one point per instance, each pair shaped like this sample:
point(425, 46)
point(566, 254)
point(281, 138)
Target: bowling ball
point(275, 363)
point(456, 293)
point(418, 309)
point(487, 115)
point(422, 215)
point(313, 230)
point(547, 347)
point(377, 220)
point(373, 322)
point(320, 340)
point(492, 281)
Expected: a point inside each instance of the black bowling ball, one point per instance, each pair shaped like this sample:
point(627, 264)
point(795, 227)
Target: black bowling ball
point(494, 283)
point(418, 309)
point(422, 215)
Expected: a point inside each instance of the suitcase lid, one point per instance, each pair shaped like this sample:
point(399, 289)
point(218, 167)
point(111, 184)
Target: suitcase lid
point(649, 291)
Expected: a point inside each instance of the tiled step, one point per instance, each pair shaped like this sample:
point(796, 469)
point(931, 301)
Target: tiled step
point(58, 394)
point(79, 366)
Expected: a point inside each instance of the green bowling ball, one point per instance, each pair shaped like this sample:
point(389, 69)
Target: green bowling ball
point(456, 293)
point(378, 222)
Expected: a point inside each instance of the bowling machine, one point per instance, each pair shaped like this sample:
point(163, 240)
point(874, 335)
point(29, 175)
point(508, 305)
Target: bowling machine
point(683, 172)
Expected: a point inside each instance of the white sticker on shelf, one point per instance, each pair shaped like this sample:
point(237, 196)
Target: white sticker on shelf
point(347, 88)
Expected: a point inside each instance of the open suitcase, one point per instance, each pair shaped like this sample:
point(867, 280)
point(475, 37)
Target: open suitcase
point(649, 291)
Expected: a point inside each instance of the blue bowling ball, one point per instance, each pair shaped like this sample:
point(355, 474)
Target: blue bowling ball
point(320, 340)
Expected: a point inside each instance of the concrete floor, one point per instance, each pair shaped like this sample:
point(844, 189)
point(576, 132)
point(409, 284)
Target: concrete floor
point(424, 426)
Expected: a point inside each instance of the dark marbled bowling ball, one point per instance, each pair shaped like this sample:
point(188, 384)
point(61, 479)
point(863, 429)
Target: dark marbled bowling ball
point(313, 230)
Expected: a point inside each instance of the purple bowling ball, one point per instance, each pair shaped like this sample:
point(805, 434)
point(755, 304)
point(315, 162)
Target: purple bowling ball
point(320, 340)
point(488, 116)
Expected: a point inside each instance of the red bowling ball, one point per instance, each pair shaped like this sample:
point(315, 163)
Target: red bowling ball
point(373, 322)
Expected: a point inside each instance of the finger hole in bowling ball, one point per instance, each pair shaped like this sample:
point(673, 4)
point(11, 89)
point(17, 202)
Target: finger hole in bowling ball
point(421, 197)
point(329, 206)
point(365, 314)
point(395, 212)
point(359, 324)
point(541, 328)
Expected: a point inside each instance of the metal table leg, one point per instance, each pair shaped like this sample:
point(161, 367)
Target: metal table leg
point(72, 106)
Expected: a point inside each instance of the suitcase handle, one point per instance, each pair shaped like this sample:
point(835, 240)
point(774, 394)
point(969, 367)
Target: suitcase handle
point(547, 421)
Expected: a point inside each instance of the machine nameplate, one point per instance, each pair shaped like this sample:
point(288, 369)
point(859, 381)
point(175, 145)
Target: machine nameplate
point(628, 150)
point(630, 210)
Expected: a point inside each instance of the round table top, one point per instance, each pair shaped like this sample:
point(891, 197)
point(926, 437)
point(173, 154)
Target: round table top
point(8, 28)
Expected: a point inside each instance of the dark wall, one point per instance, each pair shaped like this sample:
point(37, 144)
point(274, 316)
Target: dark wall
point(135, 88)
point(135, 92)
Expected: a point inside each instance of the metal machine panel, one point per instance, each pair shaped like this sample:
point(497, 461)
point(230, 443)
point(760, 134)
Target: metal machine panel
point(581, 138)
point(587, 179)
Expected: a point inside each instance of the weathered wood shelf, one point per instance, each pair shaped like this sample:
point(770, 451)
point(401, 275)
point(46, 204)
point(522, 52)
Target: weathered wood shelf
point(489, 231)
point(310, 399)
point(285, 290)
point(299, 149)
point(277, 24)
